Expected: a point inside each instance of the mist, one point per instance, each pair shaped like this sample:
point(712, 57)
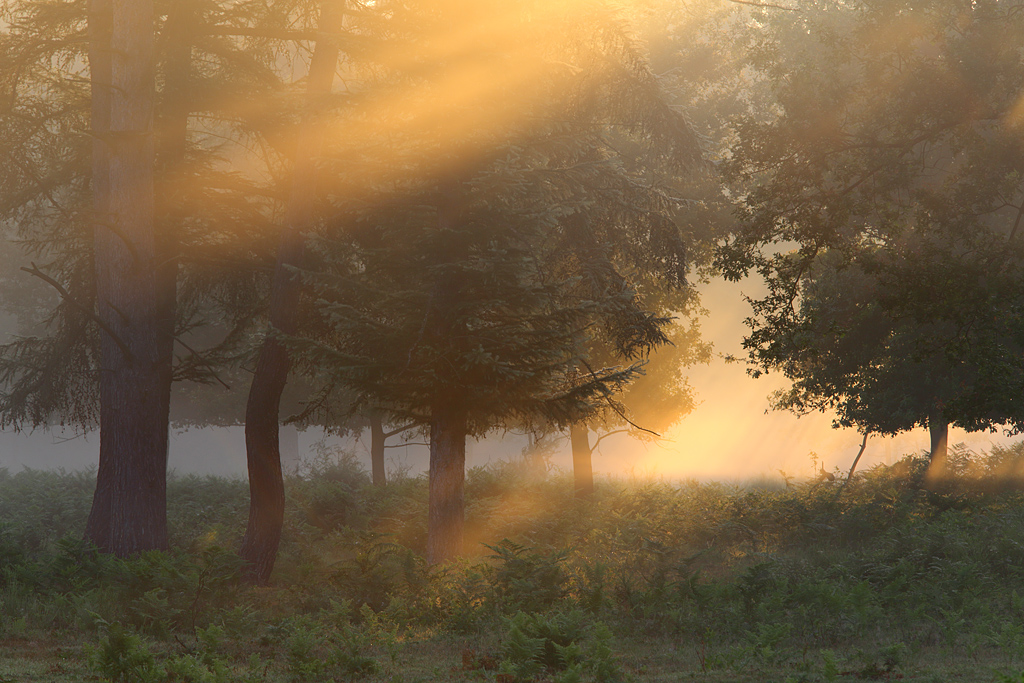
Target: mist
point(732, 434)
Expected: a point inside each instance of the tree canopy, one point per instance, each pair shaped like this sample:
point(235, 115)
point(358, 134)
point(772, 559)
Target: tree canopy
point(891, 158)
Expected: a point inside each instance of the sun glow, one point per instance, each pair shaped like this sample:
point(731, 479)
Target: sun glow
point(472, 79)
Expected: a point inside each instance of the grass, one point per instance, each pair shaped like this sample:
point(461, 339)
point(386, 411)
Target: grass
point(883, 579)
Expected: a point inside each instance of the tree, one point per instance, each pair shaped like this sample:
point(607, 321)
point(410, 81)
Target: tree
point(884, 373)
point(129, 507)
point(894, 163)
point(481, 253)
point(650, 404)
point(456, 328)
point(690, 50)
point(85, 205)
point(262, 413)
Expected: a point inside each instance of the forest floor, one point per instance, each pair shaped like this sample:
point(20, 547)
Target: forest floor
point(883, 578)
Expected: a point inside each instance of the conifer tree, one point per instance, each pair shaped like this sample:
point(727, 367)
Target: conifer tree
point(120, 305)
point(479, 253)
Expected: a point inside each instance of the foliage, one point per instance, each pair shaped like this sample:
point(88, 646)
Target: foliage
point(559, 644)
point(123, 658)
point(214, 217)
point(468, 282)
point(525, 580)
point(879, 195)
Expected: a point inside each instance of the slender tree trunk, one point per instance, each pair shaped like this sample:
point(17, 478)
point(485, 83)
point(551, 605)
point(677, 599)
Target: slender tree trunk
point(129, 512)
point(582, 465)
point(446, 504)
point(263, 455)
point(938, 429)
point(378, 440)
point(853, 467)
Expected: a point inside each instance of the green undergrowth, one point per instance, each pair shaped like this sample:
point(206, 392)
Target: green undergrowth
point(882, 578)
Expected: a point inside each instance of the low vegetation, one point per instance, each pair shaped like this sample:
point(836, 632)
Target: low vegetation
point(882, 578)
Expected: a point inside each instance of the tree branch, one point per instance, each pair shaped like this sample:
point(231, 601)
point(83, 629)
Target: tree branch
point(66, 296)
point(275, 34)
point(113, 227)
point(634, 425)
point(606, 435)
point(388, 435)
point(863, 445)
point(202, 360)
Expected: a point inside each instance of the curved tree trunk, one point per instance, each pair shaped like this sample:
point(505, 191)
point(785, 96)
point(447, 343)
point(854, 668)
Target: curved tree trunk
point(938, 429)
point(582, 460)
point(263, 458)
point(378, 439)
point(262, 446)
point(129, 512)
point(447, 479)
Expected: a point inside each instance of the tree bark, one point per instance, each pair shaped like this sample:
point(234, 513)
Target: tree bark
point(446, 504)
point(582, 460)
point(448, 418)
point(263, 457)
point(129, 511)
point(262, 412)
point(378, 440)
point(938, 429)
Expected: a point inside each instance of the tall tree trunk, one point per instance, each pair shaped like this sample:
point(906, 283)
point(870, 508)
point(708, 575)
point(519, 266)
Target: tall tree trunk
point(129, 511)
point(938, 429)
point(446, 504)
point(378, 439)
point(101, 20)
point(448, 421)
point(262, 411)
point(582, 460)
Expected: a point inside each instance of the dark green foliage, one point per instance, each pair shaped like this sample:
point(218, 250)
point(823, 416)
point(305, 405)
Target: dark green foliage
point(122, 657)
point(378, 570)
point(333, 491)
point(492, 251)
point(526, 580)
point(565, 645)
point(326, 651)
point(213, 220)
point(40, 507)
point(882, 211)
